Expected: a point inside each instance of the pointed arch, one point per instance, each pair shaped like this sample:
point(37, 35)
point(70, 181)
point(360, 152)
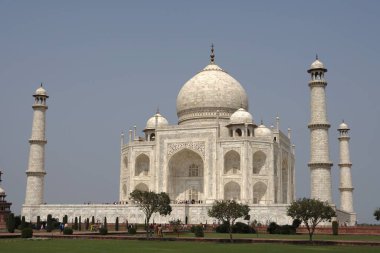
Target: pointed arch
point(259, 160)
point(185, 176)
point(232, 162)
point(142, 165)
point(232, 191)
point(142, 187)
point(259, 191)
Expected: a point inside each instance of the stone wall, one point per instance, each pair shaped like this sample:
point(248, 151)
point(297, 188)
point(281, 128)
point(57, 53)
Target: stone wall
point(195, 213)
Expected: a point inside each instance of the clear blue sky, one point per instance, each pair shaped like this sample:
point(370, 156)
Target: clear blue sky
point(108, 64)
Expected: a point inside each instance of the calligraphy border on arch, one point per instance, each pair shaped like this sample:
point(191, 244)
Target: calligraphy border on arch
point(198, 147)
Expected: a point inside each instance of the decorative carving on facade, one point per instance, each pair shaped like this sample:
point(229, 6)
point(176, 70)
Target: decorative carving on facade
point(227, 149)
point(197, 146)
point(137, 153)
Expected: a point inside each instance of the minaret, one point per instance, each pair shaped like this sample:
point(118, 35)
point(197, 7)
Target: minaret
point(346, 189)
point(320, 164)
point(36, 166)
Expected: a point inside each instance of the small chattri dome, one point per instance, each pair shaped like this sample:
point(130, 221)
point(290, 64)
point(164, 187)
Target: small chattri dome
point(262, 131)
point(241, 116)
point(317, 64)
point(343, 126)
point(41, 91)
point(161, 121)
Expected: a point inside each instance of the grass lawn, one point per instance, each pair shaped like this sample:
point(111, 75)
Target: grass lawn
point(371, 238)
point(114, 246)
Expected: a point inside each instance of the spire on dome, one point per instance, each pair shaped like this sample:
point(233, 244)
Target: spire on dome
point(212, 55)
point(158, 109)
point(316, 56)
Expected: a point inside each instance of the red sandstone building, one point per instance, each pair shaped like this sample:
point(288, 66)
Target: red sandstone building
point(5, 208)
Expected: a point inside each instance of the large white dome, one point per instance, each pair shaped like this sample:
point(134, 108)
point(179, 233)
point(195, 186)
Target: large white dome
point(210, 94)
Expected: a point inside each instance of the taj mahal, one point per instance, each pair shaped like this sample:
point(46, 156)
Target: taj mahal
point(216, 151)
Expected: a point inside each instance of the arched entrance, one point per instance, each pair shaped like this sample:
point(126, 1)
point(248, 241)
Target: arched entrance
point(142, 187)
point(185, 177)
point(232, 191)
point(259, 190)
point(142, 165)
point(232, 162)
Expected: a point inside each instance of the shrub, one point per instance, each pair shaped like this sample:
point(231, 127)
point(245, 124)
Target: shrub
point(105, 223)
point(103, 231)
point(274, 228)
point(92, 220)
point(17, 221)
point(117, 224)
point(335, 227)
point(75, 225)
point(67, 231)
point(238, 227)
point(55, 223)
point(38, 225)
point(23, 223)
point(198, 231)
point(285, 230)
point(242, 228)
point(222, 228)
point(132, 231)
point(27, 233)
point(192, 229)
point(65, 219)
point(87, 226)
point(49, 223)
point(11, 224)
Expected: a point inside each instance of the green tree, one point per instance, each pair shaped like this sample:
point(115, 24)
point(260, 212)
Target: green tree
point(49, 223)
point(75, 226)
point(117, 224)
point(311, 212)
point(376, 213)
point(92, 220)
point(228, 211)
point(105, 225)
point(150, 202)
point(80, 223)
point(65, 219)
point(23, 223)
point(87, 224)
point(11, 223)
point(38, 223)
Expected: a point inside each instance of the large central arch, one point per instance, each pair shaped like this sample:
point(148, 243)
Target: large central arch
point(185, 176)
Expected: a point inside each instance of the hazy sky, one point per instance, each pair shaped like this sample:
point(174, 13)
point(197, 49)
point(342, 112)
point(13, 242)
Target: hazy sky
point(107, 65)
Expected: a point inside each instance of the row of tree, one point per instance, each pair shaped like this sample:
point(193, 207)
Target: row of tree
point(311, 212)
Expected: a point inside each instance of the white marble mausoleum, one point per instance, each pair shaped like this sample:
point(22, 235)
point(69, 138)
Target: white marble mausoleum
point(216, 151)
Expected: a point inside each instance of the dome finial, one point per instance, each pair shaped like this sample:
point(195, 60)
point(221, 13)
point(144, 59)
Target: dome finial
point(316, 56)
point(41, 84)
point(212, 55)
point(158, 109)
